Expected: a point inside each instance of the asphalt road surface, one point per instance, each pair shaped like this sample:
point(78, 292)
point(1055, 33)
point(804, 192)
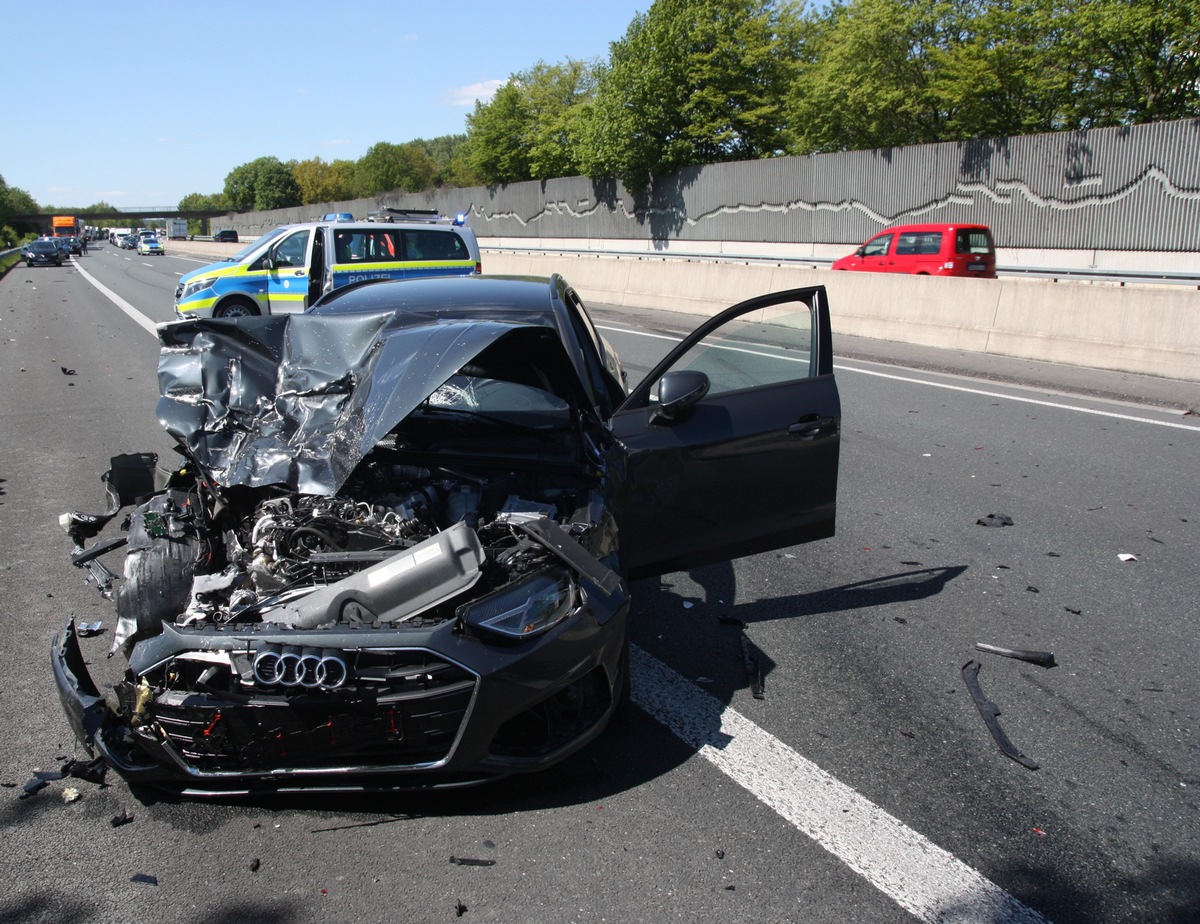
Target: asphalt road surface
point(862, 786)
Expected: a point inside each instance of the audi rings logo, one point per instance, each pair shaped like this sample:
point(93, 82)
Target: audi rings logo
point(292, 666)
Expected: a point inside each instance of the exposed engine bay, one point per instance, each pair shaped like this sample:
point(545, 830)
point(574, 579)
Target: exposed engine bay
point(257, 561)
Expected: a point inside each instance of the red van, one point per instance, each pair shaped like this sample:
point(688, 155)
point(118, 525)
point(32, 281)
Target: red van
point(926, 250)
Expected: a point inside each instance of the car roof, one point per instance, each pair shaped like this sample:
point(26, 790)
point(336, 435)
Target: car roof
point(533, 299)
point(937, 226)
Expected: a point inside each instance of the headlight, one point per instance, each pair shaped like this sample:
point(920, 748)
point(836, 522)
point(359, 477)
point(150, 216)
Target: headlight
point(197, 285)
point(525, 608)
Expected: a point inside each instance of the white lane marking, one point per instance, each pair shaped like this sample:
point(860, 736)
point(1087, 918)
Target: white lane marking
point(921, 877)
point(915, 381)
point(144, 322)
point(1037, 401)
point(147, 264)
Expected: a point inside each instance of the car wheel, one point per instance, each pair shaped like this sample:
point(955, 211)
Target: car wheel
point(239, 308)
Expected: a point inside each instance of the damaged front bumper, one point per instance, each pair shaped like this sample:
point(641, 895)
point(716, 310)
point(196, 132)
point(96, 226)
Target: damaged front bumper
point(422, 708)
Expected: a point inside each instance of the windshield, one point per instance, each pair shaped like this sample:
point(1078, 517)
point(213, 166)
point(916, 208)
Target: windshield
point(501, 401)
point(242, 254)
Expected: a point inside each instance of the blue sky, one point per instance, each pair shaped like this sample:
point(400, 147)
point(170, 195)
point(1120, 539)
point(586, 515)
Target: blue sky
point(144, 103)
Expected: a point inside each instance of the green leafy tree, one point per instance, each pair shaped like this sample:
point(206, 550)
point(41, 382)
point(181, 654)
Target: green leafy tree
point(447, 153)
point(388, 166)
point(200, 202)
point(15, 201)
point(1014, 71)
point(262, 184)
point(324, 182)
point(692, 82)
point(496, 132)
point(1145, 60)
point(868, 82)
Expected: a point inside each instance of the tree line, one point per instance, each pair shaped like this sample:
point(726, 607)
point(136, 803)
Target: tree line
point(694, 82)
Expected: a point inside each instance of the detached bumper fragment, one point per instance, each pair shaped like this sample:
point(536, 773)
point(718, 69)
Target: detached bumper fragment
point(82, 702)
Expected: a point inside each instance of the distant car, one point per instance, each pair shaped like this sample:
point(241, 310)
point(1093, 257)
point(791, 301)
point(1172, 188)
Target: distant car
point(63, 245)
point(228, 236)
point(149, 245)
point(43, 253)
point(128, 241)
point(926, 250)
point(75, 245)
point(337, 216)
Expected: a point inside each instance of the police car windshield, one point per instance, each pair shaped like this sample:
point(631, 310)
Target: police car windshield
point(250, 248)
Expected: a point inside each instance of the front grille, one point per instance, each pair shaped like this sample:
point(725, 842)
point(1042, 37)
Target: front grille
point(401, 708)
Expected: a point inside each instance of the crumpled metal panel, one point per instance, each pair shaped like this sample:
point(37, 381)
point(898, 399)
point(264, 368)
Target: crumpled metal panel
point(298, 400)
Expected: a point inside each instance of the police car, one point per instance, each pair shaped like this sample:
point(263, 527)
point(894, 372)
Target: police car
point(289, 268)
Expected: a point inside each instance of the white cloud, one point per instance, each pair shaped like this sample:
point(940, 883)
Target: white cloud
point(468, 95)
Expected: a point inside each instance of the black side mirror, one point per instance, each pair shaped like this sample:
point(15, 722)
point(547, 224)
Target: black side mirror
point(678, 391)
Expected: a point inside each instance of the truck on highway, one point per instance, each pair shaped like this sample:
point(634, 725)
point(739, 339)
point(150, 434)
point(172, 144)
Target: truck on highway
point(176, 229)
point(64, 226)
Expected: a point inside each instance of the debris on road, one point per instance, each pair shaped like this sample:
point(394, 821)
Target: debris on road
point(1042, 658)
point(995, 519)
point(71, 794)
point(989, 711)
point(126, 817)
point(471, 861)
point(144, 877)
point(1125, 556)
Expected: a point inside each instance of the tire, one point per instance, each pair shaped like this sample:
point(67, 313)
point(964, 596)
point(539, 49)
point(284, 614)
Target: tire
point(237, 308)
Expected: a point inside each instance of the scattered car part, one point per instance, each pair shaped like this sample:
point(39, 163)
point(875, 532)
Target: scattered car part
point(995, 519)
point(1041, 658)
point(989, 711)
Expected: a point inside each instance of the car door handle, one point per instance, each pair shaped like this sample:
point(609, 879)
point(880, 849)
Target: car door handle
point(813, 426)
point(298, 273)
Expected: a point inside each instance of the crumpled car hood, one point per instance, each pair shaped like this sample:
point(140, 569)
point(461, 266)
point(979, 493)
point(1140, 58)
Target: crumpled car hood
point(298, 400)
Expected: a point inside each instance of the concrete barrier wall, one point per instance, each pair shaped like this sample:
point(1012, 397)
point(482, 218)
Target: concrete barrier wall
point(1142, 329)
point(1139, 329)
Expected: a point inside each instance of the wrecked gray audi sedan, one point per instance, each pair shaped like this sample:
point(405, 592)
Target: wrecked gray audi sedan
point(395, 549)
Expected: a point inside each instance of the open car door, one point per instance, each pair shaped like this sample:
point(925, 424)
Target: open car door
point(730, 445)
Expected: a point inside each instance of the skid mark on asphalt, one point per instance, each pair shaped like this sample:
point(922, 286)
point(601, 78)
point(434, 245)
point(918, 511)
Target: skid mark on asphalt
point(904, 865)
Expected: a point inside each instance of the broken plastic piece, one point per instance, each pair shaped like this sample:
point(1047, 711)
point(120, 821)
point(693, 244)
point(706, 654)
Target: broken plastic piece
point(90, 771)
point(989, 711)
point(71, 794)
point(995, 519)
point(88, 629)
point(1043, 658)
point(753, 670)
point(255, 864)
point(144, 877)
point(123, 819)
point(33, 786)
point(1125, 556)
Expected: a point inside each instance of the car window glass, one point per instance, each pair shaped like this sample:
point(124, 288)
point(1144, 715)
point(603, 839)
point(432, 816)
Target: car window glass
point(765, 347)
point(877, 246)
point(434, 245)
point(292, 250)
point(973, 240)
point(379, 245)
point(919, 242)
